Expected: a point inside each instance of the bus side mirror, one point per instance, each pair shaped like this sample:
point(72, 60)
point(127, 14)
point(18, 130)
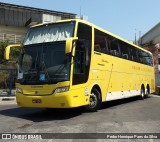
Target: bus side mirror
point(8, 49)
point(69, 44)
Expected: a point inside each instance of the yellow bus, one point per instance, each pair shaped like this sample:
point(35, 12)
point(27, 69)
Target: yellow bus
point(72, 63)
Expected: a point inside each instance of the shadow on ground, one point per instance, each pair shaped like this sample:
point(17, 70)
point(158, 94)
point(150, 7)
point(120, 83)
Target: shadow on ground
point(39, 115)
point(113, 104)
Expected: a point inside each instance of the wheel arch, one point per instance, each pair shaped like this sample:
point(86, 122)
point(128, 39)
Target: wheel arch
point(95, 89)
point(99, 89)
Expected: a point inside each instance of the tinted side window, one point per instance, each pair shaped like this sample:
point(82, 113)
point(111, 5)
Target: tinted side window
point(102, 42)
point(147, 58)
point(82, 54)
point(140, 56)
point(115, 48)
point(105, 43)
point(124, 50)
point(134, 54)
point(151, 59)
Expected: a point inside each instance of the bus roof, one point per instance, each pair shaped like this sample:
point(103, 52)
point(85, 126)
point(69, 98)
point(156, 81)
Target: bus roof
point(90, 24)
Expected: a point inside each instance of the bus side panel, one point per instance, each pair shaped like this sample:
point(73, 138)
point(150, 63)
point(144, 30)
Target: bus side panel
point(119, 78)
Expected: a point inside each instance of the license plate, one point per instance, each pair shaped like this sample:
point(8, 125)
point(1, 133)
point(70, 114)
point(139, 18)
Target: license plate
point(36, 101)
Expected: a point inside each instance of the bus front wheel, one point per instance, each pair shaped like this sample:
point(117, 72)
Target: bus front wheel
point(95, 101)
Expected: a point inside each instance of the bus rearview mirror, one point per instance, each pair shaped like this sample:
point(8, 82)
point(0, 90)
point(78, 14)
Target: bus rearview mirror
point(69, 44)
point(8, 49)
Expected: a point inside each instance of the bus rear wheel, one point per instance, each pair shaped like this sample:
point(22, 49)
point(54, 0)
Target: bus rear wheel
point(95, 101)
point(142, 96)
point(147, 92)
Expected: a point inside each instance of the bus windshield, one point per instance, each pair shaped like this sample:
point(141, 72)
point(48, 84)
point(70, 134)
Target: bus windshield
point(43, 63)
point(49, 33)
point(43, 59)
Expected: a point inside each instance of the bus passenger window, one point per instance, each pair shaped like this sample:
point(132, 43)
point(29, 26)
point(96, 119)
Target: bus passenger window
point(97, 47)
point(125, 56)
point(113, 52)
point(115, 48)
point(124, 50)
point(101, 42)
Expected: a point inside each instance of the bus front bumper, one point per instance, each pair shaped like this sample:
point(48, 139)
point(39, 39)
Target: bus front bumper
point(60, 100)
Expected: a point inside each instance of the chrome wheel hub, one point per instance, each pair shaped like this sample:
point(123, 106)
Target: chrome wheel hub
point(93, 100)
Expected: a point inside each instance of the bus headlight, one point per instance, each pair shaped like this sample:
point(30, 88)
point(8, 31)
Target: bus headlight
point(61, 89)
point(18, 90)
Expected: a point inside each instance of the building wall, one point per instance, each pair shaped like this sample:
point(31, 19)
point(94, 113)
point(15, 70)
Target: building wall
point(18, 17)
point(50, 18)
point(13, 34)
point(14, 20)
point(152, 35)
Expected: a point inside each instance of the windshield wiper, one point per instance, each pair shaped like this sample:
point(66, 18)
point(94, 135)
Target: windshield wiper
point(29, 72)
point(61, 67)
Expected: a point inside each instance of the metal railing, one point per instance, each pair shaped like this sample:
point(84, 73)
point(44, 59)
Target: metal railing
point(11, 38)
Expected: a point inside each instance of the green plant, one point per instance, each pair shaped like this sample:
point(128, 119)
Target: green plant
point(3, 45)
point(13, 54)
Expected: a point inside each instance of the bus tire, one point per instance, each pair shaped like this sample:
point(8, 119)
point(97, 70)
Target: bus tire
point(95, 101)
point(147, 92)
point(142, 95)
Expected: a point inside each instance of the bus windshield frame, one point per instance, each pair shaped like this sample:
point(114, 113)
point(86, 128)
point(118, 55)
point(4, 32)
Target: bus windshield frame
point(42, 59)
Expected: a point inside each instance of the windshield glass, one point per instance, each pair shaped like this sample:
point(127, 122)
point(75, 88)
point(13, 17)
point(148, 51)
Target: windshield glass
point(49, 33)
point(43, 63)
